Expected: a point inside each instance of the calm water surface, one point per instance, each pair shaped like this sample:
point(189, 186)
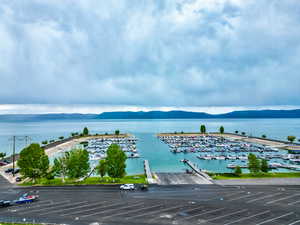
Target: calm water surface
point(158, 154)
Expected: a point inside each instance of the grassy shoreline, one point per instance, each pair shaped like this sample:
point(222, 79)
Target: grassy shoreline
point(134, 179)
point(227, 176)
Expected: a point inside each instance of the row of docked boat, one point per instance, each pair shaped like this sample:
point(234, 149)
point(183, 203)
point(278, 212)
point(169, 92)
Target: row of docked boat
point(98, 147)
point(287, 157)
point(207, 143)
point(222, 157)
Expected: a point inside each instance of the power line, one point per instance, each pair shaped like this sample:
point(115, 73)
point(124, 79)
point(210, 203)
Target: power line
point(14, 139)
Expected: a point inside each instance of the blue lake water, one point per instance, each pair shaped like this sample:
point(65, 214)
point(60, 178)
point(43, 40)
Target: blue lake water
point(158, 154)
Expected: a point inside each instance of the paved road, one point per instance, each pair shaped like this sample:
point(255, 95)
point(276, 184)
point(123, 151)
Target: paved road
point(260, 181)
point(167, 204)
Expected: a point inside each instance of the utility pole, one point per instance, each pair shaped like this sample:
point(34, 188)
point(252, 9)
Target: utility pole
point(14, 139)
point(27, 139)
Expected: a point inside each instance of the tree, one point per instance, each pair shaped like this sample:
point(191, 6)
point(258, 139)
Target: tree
point(202, 129)
point(236, 131)
point(85, 131)
point(221, 129)
point(117, 132)
point(74, 134)
point(61, 137)
point(60, 167)
point(264, 136)
point(44, 142)
point(33, 162)
point(291, 138)
point(253, 163)
point(78, 163)
point(116, 161)
point(102, 167)
point(2, 155)
point(264, 167)
point(237, 171)
point(243, 133)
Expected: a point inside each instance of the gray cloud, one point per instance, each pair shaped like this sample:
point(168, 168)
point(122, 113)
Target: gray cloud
point(171, 53)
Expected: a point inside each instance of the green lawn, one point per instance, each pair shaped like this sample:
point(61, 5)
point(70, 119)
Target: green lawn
point(222, 176)
point(134, 179)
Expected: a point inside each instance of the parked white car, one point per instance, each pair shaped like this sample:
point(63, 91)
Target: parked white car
point(127, 187)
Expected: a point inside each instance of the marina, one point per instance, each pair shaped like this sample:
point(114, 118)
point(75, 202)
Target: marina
point(98, 146)
point(148, 145)
point(232, 151)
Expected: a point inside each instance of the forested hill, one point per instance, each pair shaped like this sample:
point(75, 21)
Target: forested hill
point(201, 115)
point(153, 115)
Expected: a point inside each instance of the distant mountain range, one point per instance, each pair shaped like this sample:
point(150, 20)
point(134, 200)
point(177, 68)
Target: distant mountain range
point(201, 115)
point(153, 115)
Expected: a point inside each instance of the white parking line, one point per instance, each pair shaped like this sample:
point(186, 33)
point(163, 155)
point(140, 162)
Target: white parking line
point(230, 214)
point(83, 206)
point(51, 205)
point(38, 204)
point(276, 218)
point(293, 203)
point(280, 199)
point(295, 222)
point(263, 197)
point(154, 211)
point(200, 214)
point(190, 210)
point(235, 193)
point(87, 210)
point(145, 208)
point(127, 206)
point(61, 210)
point(248, 217)
point(245, 196)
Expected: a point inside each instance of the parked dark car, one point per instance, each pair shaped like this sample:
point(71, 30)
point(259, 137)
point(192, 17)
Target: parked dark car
point(144, 187)
point(16, 171)
point(9, 170)
point(4, 203)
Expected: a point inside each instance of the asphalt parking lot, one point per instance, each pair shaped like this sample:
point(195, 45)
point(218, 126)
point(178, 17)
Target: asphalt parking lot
point(167, 204)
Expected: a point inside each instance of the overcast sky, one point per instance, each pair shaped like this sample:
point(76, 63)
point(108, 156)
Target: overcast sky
point(188, 54)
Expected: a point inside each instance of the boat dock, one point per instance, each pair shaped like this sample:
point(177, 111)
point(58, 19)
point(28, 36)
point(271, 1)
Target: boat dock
point(197, 170)
point(148, 173)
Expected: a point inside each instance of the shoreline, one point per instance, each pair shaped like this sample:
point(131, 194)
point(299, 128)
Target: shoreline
point(57, 147)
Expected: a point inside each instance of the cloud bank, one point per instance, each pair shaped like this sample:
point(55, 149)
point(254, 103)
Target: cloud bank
point(182, 53)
